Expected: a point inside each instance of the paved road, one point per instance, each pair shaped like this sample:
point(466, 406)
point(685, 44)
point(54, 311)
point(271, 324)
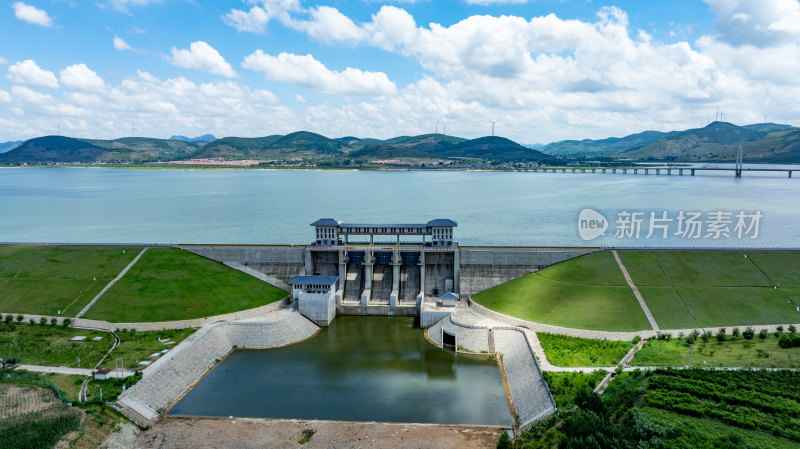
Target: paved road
point(56, 369)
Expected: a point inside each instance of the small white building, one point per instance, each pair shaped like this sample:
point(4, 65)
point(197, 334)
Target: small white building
point(315, 297)
point(449, 299)
point(102, 374)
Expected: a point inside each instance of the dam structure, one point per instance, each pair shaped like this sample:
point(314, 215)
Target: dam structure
point(383, 269)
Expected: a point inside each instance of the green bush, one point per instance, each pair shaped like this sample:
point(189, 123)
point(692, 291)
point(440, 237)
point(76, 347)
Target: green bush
point(749, 333)
point(32, 321)
point(20, 318)
point(735, 332)
point(721, 335)
point(762, 334)
point(8, 318)
point(43, 321)
point(66, 322)
point(692, 337)
point(53, 321)
point(706, 336)
point(505, 442)
point(792, 329)
point(789, 341)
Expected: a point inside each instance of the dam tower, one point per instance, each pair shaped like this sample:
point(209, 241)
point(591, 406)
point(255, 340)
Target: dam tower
point(385, 269)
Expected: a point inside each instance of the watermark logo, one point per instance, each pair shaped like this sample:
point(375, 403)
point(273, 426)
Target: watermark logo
point(663, 225)
point(591, 224)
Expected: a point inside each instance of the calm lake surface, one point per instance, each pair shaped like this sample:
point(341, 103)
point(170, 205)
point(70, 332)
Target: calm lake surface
point(276, 206)
point(358, 369)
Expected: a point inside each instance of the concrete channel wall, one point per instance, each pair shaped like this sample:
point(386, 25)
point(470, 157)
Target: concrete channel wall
point(176, 372)
point(530, 394)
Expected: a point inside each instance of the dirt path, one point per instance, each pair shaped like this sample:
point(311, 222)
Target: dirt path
point(110, 284)
point(259, 433)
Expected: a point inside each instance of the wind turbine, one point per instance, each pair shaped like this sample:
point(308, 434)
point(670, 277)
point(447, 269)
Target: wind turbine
point(493, 122)
point(437, 126)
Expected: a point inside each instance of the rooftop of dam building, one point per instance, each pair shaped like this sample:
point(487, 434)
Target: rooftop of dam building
point(329, 232)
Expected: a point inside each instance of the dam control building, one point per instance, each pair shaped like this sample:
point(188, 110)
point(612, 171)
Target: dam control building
point(390, 268)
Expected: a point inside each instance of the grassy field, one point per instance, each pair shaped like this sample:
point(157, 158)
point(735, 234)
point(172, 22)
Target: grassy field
point(50, 345)
point(573, 351)
point(588, 292)
point(683, 290)
point(564, 386)
point(171, 284)
point(689, 289)
point(137, 346)
point(734, 352)
point(45, 280)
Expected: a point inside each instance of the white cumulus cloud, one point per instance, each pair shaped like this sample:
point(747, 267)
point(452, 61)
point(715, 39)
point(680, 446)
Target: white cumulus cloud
point(256, 18)
point(32, 14)
point(121, 45)
point(202, 56)
point(27, 72)
point(305, 71)
point(78, 76)
point(759, 23)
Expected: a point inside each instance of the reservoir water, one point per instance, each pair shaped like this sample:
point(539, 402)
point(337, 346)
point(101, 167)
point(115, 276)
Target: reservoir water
point(276, 206)
point(358, 369)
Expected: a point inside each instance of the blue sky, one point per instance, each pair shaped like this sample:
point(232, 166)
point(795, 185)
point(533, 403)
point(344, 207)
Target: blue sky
point(546, 69)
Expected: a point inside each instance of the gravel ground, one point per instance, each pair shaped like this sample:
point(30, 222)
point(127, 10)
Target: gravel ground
point(260, 433)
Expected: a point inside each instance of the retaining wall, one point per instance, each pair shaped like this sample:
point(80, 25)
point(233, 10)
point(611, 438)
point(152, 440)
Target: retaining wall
point(282, 262)
point(171, 376)
point(530, 394)
point(484, 267)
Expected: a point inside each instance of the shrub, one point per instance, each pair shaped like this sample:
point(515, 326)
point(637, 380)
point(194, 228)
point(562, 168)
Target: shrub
point(66, 322)
point(636, 339)
point(792, 329)
point(706, 336)
point(748, 333)
point(42, 321)
point(762, 334)
point(789, 341)
point(53, 321)
point(505, 442)
point(32, 321)
point(692, 337)
point(681, 335)
point(8, 318)
point(721, 335)
point(735, 332)
point(20, 318)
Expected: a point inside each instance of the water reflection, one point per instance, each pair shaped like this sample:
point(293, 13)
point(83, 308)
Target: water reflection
point(358, 369)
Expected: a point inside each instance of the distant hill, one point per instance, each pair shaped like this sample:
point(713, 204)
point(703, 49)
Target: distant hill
point(604, 146)
point(497, 149)
point(203, 138)
point(8, 146)
point(299, 144)
point(67, 149)
point(720, 141)
point(53, 149)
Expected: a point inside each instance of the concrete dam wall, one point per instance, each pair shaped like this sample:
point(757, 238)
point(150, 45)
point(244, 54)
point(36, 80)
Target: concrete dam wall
point(483, 267)
point(466, 270)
